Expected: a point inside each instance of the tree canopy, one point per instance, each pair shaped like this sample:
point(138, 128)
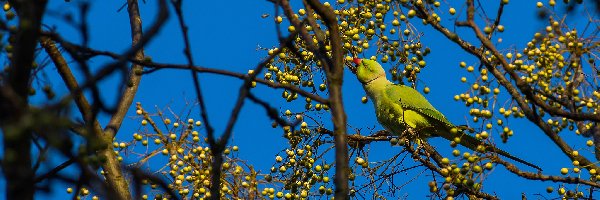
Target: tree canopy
point(258, 100)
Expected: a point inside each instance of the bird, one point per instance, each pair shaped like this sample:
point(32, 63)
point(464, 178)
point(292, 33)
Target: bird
point(399, 108)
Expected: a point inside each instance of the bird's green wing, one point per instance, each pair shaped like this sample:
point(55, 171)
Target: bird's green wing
point(410, 99)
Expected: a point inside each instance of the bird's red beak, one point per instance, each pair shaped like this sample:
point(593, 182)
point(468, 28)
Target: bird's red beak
point(356, 61)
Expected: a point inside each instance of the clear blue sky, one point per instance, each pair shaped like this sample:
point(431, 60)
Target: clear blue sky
point(226, 35)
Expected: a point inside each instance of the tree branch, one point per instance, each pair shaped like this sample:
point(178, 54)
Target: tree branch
point(200, 69)
point(513, 91)
point(14, 98)
point(335, 74)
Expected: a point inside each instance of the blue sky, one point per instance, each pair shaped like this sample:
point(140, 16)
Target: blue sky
point(227, 34)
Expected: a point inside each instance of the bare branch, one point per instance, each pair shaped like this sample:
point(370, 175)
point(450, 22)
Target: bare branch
point(14, 95)
point(537, 176)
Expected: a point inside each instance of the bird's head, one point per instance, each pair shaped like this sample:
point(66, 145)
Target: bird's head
point(368, 70)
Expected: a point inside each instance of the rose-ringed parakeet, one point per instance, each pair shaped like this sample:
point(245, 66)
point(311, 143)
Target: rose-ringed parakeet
point(399, 107)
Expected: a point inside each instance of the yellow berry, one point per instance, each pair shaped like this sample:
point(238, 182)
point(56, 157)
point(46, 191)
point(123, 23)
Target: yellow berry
point(489, 165)
point(487, 30)
point(6, 6)
point(322, 87)
point(561, 191)
point(484, 134)
point(359, 160)
point(445, 161)
point(500, 28)
point(411, 13)
point(302, 12)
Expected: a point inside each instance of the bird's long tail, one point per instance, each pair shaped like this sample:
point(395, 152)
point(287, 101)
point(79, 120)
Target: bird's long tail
point(472, 143)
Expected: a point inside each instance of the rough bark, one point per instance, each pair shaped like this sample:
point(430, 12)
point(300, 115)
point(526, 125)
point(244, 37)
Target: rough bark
point(16, 164)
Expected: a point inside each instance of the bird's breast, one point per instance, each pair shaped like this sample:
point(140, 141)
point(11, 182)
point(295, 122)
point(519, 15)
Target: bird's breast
point(390, 117)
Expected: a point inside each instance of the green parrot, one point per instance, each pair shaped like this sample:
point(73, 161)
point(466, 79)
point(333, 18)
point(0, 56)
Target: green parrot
point(399, 107)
